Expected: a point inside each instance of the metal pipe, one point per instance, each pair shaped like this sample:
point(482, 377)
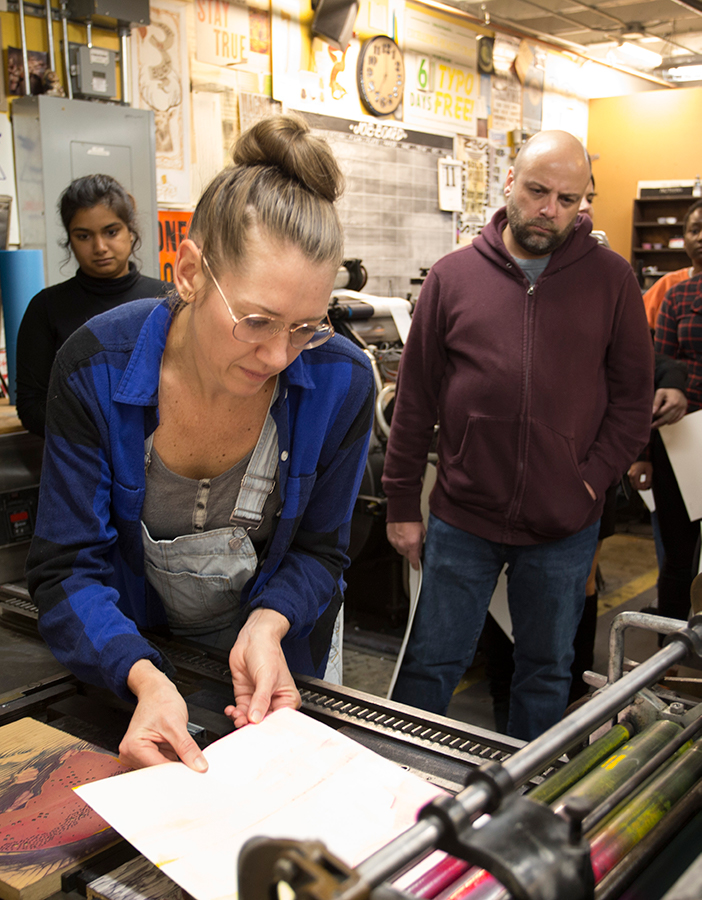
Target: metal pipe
point(123, 30)
point(50, 36)
point(526, 762)
point(23, 39)
point(66, 55)
point(89, 31)
point(629, 619)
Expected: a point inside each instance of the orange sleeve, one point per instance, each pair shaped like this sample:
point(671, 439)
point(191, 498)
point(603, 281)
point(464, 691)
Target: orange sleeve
point(654, 296)
point(652, 301)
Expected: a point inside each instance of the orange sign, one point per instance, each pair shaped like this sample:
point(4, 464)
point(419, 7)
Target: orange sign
point(172, 229)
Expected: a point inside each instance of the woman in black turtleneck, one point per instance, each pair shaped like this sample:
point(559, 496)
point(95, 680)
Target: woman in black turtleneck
point(101, 229)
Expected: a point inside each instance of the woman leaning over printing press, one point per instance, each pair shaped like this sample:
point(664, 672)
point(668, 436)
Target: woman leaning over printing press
point(202, 458)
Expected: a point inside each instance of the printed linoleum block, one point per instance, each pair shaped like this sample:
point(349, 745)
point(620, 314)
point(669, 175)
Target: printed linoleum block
point(46, 830)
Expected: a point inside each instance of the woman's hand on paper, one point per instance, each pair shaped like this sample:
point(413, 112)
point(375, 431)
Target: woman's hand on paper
point(158, 731)
point(260, 675)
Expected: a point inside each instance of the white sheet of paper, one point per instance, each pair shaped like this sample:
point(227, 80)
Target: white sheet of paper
point(289, 777)
point(683, 442)
point(647, 497)
point(499, 606)
point(415, 585)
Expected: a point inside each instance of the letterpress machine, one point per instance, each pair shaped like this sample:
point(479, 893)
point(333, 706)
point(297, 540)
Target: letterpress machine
point(598, 806)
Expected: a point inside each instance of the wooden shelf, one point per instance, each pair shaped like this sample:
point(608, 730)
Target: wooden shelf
point(658, 224)
point(647, 228)
point(660, 250)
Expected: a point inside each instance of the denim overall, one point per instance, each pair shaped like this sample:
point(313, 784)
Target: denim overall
point(199, 577)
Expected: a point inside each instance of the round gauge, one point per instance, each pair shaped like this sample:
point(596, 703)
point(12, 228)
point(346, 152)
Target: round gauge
point(381, 75)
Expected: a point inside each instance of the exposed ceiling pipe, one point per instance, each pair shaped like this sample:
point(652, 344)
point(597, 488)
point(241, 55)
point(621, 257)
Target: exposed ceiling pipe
point(23, 39)
point(123, 30)
point(548, 40)
point(66, 56)
point(606, 34)
point(694, 5)
point(50, 36)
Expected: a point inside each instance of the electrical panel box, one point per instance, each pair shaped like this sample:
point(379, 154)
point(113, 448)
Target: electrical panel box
point(93, 71)
point(134, 11)
point(57, 140)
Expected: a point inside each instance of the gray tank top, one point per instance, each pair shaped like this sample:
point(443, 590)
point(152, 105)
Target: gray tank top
point(175, 505)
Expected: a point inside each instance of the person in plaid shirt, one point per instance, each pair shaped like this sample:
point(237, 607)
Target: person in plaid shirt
point(678, 335)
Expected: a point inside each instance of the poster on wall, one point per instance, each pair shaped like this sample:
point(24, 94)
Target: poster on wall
point(233, 35)
point(500, 162)
point(533, 91)
point(207, 131)
point(442, 84)
point(474, 152)
point(173, 228)
point(161, 83)
point(565, 105)
point(221, 33)
point(308, 73)
point(506, 105)
point(7, 175)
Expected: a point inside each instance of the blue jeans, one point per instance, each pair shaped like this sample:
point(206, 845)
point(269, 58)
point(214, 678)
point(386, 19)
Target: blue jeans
point(546, 593)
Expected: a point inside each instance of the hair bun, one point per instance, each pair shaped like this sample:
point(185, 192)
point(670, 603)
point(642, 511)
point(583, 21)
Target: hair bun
point(287, 143)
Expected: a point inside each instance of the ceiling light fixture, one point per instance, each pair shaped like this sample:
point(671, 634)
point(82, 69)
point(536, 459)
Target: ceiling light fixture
point(635, 55)
point(685, 73)
point(682, 68)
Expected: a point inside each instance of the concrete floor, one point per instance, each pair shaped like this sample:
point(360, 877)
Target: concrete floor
point(629, 569)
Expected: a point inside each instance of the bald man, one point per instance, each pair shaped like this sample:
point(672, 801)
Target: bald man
point(530, 348)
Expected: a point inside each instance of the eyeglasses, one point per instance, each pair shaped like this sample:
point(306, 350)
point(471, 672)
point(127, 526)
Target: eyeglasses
point(255, 329)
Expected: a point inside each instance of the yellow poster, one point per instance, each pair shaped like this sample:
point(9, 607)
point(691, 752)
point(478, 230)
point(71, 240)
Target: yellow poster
point(443, 87)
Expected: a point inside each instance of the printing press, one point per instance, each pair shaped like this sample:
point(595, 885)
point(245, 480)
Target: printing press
point(589, 809)
point(643, 790)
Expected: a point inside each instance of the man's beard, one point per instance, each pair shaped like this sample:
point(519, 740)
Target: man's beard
point(533, 242)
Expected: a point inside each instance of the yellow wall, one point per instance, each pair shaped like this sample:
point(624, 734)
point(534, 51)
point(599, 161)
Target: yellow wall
point(643, 137)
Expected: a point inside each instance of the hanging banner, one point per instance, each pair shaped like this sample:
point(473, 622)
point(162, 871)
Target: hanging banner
point(443, 87)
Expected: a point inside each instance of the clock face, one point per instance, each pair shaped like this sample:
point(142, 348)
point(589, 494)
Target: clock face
point(381, 75)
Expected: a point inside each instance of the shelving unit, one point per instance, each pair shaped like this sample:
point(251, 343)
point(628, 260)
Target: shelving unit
point(650, 263)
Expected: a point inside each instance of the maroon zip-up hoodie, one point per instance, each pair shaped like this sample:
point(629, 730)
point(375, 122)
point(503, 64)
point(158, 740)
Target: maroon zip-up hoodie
point(536, 389)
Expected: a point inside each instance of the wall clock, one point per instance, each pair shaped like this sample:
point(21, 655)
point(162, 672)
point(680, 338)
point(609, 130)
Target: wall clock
point(381, 75)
